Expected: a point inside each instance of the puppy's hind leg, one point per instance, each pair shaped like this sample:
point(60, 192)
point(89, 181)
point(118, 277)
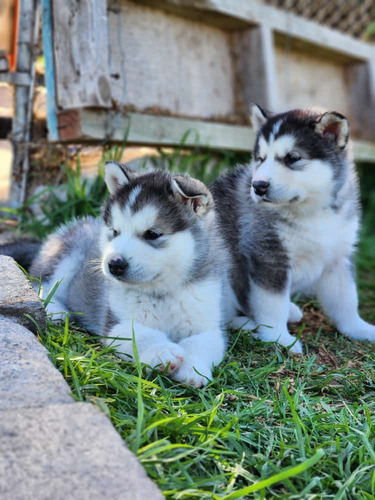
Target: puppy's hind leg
point(295, 313)
point(241, 323)
point(337, 293)
point(244, 323)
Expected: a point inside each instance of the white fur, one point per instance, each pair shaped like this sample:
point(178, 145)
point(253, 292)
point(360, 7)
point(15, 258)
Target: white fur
point(114, 177)
point(319, 242)
point(271, 312)
point(258, 119)
point(185, 326)
point(312, 185)
point(176, 324)
point(166, 267)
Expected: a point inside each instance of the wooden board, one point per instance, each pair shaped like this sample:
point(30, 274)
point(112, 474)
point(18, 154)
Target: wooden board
point(90, 125)
point(160, 60)
point(306, 81)
point(81, 53)
point(239, 12)
point(172, 61)
point(93, 126)
point(255, 69)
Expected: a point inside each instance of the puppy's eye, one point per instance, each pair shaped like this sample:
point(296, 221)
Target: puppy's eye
point(260, 159)
point(291, 158)
point(151, 234)
point(114, 233)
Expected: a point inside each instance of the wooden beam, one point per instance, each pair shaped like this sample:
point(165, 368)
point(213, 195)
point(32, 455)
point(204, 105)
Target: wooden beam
point(255, 68)
point(151, 130)
point(21, 123)
point(364, 152)
point(97, 125)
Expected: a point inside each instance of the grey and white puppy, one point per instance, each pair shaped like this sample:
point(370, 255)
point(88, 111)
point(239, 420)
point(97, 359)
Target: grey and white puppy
point(291, 222)
point(152, 264)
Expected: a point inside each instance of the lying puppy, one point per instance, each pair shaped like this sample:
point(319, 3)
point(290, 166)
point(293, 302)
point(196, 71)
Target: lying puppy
point(160, 261)
point(291, 223)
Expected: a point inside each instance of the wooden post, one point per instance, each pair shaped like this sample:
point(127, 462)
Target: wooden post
point(27, 15)
point(255, 68)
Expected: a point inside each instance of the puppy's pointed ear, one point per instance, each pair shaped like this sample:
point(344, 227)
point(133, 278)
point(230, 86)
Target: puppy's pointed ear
point(258, 116)
point(192, 193)
point(117, 175)
point(333, 126)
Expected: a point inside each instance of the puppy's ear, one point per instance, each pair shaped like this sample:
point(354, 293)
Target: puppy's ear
point(335, 127)
point(117, 175)
point(192, 193)
point(258, 116)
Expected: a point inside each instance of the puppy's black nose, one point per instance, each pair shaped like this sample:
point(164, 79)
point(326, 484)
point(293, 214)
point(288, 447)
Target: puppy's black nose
point(260, 187)
point(117, 265)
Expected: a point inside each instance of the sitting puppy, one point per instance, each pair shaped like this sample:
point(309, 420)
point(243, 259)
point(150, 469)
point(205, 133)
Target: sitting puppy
point(153, 265)
point(291, 223)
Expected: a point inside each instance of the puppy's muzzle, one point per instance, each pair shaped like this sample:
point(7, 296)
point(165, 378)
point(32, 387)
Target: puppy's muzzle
point(117, 265)
point(261, 187)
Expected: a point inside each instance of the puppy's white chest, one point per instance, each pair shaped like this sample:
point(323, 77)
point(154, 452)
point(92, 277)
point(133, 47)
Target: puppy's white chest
point(316, 243)
point(187, 312)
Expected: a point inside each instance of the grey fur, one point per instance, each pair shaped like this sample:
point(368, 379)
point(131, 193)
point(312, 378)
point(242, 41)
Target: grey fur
point(87, 286)
point(251, 235)
point(22, 248)
point(253, 231)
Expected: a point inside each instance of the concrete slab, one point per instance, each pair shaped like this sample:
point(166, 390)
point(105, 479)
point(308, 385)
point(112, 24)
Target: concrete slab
point(67, 452)
point(27, 375)
point(17, 296)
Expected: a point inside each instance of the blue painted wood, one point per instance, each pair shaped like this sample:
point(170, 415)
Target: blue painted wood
point(53, 134)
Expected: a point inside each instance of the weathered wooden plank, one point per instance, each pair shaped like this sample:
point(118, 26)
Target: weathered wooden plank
point(21, 123)
point(364, 152)
point(90, 125)
point(361, 86)
point(98, 125)
point(256, 75)
point(171, 64)
point(80, 38)
point(252, 12)
point(306, 81)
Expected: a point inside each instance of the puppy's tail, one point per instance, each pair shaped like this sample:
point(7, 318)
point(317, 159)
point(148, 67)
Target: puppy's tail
point(23, 249)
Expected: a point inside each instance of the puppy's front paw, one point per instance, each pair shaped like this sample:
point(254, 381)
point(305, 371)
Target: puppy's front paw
point(191, 373)
point(163, 355)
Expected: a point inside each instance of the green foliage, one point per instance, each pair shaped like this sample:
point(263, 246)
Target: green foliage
point(367, 181)
point(80, 197)
point(203, 165)
point(369, 31)
point(58, 204)
point(268, 426)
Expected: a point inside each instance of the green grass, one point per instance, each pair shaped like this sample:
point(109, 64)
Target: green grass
point(269, 425)
point(257, 429)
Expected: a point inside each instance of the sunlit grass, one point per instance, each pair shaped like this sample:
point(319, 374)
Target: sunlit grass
point(269, 425)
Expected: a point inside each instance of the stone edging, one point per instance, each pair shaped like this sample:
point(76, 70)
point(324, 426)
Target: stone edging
point(52, 446)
